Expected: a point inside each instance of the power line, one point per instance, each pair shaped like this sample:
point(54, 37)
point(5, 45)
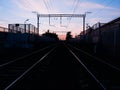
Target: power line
point(102, 9)
point(73, 5)
point(49, 7)
point(76, 6)
point(98, 13)
point(76, 3)
point(46, 5)
point(51, 4)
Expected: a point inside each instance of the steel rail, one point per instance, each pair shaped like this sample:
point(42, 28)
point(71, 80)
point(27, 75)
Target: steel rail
point(30, 68)
point(19, 58)
point(98, 59)
point(93, 76)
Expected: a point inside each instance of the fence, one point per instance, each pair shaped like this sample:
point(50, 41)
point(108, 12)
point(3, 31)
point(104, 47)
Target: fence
point(3, 29)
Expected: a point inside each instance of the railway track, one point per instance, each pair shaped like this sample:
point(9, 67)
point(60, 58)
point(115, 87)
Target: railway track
point(59, 67)
point(13, 70)
point(105, 72)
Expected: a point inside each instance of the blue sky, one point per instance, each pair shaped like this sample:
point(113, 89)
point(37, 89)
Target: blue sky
point(17, 11)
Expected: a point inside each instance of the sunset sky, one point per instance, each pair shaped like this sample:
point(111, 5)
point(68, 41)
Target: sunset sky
point(17, 11)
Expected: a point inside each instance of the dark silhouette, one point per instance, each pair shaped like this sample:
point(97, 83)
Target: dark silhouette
point(51, 35)
point(68, 36)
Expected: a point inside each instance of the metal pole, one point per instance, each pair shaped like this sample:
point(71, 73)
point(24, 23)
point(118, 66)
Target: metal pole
point(25, 28)
point(84, 24)
point(115, 43)
point(25, 24)
point(38, 23)
point(49, 19)
point(84, 16)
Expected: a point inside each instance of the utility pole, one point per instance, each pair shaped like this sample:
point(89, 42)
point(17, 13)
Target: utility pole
point(61, 15)
point(84, 16)
point(84, 24)
point(25, 24)
point(37, 21)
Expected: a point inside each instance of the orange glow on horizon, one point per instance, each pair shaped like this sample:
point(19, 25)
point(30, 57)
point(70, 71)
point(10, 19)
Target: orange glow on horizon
point(62, 37)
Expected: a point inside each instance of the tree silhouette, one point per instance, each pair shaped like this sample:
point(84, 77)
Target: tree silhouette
point(68, 36)
point(51, 35)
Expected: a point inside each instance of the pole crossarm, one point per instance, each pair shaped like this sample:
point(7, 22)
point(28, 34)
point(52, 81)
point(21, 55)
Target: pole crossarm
point(61, 15)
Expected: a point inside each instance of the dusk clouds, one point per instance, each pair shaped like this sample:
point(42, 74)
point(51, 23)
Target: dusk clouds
point(20, 10)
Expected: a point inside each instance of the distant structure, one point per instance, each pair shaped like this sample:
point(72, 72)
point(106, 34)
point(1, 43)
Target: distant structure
point(3, 29)
point(68, 36)
point(3, 36)
point(50, 37)
point(22, 28)
point(21, 36)
point(106, 35)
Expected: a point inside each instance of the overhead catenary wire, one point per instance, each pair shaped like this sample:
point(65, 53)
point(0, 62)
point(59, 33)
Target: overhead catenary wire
point(46, 5)
point(51, 5)
point(73, 5)
point(98, 13)
point(102, 9)
point(49, 8)
point(76, 3)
